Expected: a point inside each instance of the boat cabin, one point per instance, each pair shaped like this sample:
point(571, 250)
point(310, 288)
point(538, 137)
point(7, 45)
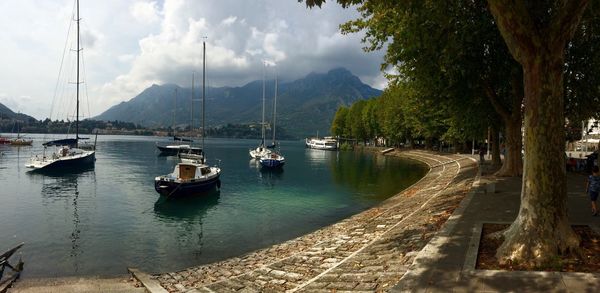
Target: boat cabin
point(185, 171)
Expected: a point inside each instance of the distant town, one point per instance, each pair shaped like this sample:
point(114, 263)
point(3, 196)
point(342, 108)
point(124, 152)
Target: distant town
point(30, 125)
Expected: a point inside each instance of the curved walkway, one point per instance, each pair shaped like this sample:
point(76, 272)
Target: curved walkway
point(369, 251)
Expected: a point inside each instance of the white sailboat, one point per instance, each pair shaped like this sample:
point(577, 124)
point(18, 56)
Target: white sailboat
point(261, 150)
point(67, 154)
point(273, 159)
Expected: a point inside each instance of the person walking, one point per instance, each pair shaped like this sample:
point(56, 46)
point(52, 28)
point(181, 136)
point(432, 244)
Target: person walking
point(593, 188)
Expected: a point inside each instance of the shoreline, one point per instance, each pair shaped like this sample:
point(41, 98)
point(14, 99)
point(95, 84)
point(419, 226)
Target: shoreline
point(306, 262)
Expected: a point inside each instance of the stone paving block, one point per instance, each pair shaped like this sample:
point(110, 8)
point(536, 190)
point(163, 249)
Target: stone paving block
point(366, 287)
point(316, 285)
point(342, 285)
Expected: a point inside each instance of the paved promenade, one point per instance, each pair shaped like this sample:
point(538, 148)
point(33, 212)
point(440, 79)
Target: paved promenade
point(447, 263)
point(370, 251)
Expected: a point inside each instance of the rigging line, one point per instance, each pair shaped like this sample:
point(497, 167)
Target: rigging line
point(61, 66)
point(85, 88)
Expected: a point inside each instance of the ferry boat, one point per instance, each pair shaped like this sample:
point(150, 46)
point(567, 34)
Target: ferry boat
point(325, 143)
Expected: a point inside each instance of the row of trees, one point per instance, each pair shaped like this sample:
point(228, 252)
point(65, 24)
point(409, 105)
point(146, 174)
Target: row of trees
point(507, 64)
point(399, 116)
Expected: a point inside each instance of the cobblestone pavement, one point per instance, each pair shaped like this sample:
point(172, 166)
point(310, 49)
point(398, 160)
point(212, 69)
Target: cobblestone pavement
point(369, 251)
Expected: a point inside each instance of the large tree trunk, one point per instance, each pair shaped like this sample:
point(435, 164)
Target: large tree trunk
point(541, 230)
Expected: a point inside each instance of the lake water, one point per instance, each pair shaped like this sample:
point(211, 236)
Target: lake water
point(101, 221)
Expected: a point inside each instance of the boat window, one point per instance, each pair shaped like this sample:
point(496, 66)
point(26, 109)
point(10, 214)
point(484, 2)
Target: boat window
point(205, 170)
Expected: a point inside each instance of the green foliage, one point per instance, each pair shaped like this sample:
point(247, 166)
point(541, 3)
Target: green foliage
point(338, 126)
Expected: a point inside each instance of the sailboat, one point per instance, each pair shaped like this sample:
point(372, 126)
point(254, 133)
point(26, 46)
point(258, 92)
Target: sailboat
point(192, 176)
point(175, 149)
point(273, 159)
point(67, 154)
point(261, 150)
point(20, 141)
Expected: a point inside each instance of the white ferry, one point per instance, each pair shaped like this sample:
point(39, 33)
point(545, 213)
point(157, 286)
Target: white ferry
point(325, 143)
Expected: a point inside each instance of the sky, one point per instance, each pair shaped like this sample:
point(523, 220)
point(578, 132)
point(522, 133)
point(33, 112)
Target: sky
point(128, 45)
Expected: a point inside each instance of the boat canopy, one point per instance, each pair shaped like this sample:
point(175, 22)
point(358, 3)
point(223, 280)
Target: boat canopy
point(62, 142)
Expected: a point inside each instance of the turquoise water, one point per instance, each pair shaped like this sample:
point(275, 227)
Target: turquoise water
point(101, 221)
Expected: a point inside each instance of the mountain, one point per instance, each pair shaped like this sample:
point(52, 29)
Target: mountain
point(8, 114)
point(304, 106)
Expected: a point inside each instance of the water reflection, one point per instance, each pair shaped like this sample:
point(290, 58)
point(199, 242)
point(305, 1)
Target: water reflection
point(320, 157)
point(270, 176)
point(369, 174)
point(186, 208)
point(187, 213)
point(62, 186)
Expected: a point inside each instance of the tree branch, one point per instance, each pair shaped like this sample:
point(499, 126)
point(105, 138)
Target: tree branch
point(517, 27)
point(564, 25)
point(495, 101)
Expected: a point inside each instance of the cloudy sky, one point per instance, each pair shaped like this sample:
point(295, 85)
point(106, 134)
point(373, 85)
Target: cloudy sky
point(130, 45)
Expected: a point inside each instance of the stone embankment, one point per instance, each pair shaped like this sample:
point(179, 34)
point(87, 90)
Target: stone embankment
point(369, 251)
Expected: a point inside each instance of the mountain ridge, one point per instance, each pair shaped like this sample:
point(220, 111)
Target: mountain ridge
point(304, 106)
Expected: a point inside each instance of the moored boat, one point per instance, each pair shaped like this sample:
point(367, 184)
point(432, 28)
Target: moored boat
point(192, 176)
point(63, 157)
point(272, 160)
point(325, 143)
point(261, 150)
point(21, 141)
point(173, 150)
point(67, 154)
point(188, 178)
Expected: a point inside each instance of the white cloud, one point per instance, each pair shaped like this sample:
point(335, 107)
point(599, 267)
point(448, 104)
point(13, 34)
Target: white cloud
point(229, 21)
point(145, 12)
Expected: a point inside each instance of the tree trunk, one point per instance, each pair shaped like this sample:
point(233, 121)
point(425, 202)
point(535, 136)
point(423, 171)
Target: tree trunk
point(541, 230)
point(496, 147)
point(513, 163)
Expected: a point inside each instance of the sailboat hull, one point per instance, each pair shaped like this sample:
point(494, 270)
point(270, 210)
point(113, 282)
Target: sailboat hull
point(272, 163)
point(173, 151)
point(83, 161)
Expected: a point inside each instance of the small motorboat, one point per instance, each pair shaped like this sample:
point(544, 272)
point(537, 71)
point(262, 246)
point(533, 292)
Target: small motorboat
point(188, 178)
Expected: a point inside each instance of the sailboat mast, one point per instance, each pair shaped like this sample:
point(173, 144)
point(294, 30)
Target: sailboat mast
point(192, 108)
point(77, 82)
point(174, 114)
point(203, 88)
point(275, 107)
point(263, 107)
